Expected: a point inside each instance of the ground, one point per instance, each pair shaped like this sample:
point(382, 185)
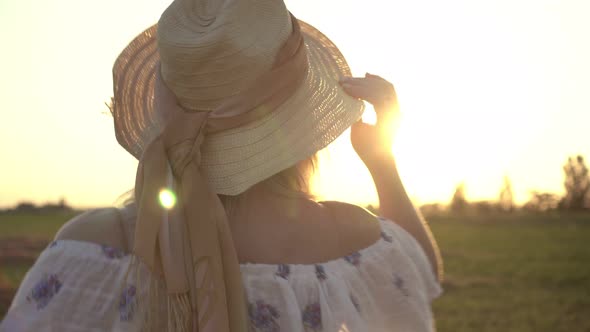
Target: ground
point(518, 272)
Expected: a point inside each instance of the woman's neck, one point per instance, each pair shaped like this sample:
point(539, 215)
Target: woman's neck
point(260, 204)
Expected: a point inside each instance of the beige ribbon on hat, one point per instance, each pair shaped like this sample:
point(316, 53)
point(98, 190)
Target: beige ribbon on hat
point(190, 244)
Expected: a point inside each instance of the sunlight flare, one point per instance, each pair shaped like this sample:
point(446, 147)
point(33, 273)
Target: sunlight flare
point(167, 198)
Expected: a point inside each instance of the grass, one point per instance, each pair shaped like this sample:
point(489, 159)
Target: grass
point(14, 273)
point(515, 273)
point(32, 226)
point(503, 272)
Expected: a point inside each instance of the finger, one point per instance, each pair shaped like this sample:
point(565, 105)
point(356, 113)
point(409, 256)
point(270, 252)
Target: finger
point(353, 80)
point(375, 82)
point(379, 81)
point(359, 82)
point(369, 75)
point(365, 92)
point(356, 91)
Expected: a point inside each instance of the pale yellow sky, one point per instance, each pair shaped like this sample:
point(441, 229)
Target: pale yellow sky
point(487, 88)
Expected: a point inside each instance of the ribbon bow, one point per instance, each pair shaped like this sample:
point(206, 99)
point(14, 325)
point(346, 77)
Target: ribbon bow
point(189, 243)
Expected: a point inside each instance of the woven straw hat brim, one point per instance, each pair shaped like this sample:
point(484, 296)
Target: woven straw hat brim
point(233, 160)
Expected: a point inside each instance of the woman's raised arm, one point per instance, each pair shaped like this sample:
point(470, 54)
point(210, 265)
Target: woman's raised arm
point(373, 144)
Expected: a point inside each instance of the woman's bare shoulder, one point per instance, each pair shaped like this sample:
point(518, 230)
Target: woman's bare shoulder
point(100, 226)
point(347, 211)
point(357, 226)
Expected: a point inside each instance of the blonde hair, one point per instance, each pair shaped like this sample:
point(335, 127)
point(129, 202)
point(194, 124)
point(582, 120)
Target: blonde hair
point(293, 182)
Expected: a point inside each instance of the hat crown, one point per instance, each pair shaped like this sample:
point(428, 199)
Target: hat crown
point(211, 50)
point(204, 12)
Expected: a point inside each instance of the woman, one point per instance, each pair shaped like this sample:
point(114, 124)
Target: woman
point(225, 105)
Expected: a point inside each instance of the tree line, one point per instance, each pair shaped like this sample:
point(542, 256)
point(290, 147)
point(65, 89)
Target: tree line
point(575, 198)
point(30, 208)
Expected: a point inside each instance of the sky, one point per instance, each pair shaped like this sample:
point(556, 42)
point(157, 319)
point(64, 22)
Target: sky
point(487, 89)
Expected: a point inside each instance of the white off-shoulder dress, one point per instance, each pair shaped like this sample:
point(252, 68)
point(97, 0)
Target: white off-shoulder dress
point(388, 286)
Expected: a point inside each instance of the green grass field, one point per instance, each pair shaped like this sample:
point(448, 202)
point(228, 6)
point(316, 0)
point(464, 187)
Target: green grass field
point(503, 272)
point(42, 227)
point(516, 273)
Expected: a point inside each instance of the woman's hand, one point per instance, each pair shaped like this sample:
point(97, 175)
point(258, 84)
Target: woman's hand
point(373, 145)
point(373, 142)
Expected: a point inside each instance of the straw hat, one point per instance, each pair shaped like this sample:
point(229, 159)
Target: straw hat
point(208, 51)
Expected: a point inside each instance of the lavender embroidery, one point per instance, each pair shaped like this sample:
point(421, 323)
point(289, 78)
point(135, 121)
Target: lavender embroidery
point(127, 303)
point(400, 284)
point(354, 258)
point(283, 271)
point(44, 291)
point(320, 272)
point(111, 252)
point(264, 316)
point(312, 317)
point(386, 237)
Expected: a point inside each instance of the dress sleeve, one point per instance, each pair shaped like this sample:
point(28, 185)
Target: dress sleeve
point(75, 286)
point(408, 245)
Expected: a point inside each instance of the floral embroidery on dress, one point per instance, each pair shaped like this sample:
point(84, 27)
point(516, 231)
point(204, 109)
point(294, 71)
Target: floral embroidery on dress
point(312, 317)
point(264, 317)
point(283, 271)
point(400, 284)
point(320, 272)
point(354, 258)
point(127, 303)
point(386, 237)
point(44, 290)
point(111, 252)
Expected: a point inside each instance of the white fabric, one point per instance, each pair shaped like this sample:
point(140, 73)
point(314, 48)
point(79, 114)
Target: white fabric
point(388, 286)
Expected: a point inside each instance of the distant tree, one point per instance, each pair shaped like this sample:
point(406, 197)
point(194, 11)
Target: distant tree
point(484, 207)
point(459, 202)
point(506, 199)
point(25, 207)
point(62, 203)
point(542, 202)
point(577, 184)
point(431, 209)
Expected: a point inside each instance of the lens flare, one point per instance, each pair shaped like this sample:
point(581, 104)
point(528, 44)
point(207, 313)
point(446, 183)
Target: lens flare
point(167, 198)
